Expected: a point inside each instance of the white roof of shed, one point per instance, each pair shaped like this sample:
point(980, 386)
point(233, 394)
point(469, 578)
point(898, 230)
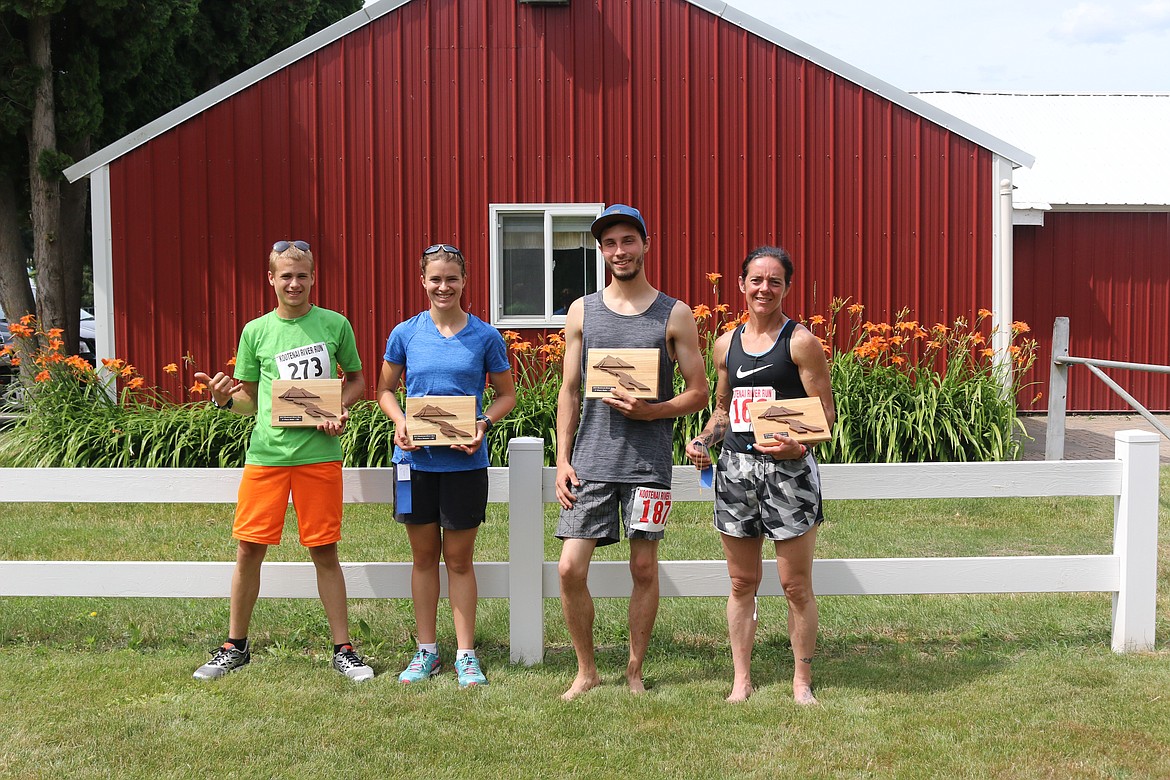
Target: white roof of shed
point(1093, 152)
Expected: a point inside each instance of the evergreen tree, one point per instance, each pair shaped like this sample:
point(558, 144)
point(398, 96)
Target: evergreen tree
point(76, 75)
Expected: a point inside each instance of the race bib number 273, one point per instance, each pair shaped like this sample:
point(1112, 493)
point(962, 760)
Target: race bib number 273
point(308, 362)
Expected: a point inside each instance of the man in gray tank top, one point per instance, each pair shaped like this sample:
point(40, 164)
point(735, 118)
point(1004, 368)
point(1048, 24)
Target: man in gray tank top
point(614, 454)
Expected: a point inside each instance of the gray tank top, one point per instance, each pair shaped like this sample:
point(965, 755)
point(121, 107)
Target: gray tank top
point(610, 447)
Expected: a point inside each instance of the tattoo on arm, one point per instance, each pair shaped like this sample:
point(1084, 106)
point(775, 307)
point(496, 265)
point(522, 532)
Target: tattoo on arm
point(806, 660)
point(715, 429)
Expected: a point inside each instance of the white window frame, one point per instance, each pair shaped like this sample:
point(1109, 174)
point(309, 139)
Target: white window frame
point(495, 245)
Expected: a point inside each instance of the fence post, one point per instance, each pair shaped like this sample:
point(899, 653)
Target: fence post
point(1057, 392)
point(1135, 541)
point(526, 549)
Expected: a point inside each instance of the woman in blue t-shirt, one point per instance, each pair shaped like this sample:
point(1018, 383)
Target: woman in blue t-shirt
point(444, 351)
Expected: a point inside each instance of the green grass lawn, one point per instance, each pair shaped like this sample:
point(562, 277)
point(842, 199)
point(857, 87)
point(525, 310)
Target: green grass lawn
point(910, 686)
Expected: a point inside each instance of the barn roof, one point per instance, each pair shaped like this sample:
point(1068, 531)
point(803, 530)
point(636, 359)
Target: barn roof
point(1098, 152)
point(382, 7)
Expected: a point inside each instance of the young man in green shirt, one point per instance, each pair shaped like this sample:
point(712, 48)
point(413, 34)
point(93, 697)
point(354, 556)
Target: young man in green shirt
point(296, 340)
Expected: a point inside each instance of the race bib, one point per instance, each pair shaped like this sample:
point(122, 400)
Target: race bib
point(650, 510)
point(308, 362)
point(741, 421)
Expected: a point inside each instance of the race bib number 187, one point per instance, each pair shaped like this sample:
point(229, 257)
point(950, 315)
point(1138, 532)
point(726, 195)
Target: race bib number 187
point(650, 510)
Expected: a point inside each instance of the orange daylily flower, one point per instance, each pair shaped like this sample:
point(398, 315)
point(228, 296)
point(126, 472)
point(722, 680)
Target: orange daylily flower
point(232, 360)
point(816, 319)
point(983, 313)
point(198, 387)
point(136, 383)
point(43, 376)
point(987, 352)
point(171, 368)
point(701, 311)
point(1020, 327)
point(114, 364)
point(714, 278)
point(28, 319)
point(855, 309)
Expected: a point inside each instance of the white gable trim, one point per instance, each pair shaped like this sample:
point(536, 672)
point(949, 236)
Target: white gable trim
point(379, 8)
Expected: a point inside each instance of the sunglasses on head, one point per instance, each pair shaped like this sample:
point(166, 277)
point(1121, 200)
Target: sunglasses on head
point(430, 250)
point(280, 247)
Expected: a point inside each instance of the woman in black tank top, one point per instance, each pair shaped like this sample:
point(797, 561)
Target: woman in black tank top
point(766, 489)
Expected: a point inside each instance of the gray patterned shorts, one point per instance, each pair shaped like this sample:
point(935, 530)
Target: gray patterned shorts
point(595, 513)
point(757, 495)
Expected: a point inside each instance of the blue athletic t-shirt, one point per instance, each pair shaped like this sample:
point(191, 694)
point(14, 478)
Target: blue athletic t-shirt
point(438, 365)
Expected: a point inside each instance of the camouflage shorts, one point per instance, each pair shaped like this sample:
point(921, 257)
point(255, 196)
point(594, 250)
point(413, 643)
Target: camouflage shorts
point(757, 495)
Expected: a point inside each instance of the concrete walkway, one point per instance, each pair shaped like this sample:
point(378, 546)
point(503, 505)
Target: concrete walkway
point(1090, 436)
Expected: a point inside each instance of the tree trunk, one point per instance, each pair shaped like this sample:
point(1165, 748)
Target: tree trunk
point(44, 186)
point(15, 291)
point(74, 246)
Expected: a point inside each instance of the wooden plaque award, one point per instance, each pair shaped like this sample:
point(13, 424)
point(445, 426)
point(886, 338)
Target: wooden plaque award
point(801, 418)
point(440, 419)
point(633, 370)
point(305, 403)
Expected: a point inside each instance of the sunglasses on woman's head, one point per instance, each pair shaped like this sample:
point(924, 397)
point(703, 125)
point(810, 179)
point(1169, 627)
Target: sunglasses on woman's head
point(430, 250)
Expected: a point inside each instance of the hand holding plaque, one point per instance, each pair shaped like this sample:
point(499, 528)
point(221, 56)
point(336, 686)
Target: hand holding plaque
point(441, 419)
point(802, 419)
point(305, 403)
point(633, 370)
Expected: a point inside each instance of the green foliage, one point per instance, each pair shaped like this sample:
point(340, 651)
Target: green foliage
point(368, 439)
point(905, 393)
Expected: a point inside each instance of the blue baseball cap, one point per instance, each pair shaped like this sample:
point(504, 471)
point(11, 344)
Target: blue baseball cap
point(618, 212)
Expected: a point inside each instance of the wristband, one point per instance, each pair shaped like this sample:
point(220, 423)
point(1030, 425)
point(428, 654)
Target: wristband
point(487, 421)
point(228, 405)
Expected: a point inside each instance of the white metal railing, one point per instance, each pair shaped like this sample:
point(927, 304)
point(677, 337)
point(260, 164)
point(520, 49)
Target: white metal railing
point(1058, 388)
point(1129, 572)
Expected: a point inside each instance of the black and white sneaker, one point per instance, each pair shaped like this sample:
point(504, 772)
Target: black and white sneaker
point(351, 664)
point(223, 660)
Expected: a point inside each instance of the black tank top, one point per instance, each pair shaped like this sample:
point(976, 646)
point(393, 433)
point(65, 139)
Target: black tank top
point(774, 368)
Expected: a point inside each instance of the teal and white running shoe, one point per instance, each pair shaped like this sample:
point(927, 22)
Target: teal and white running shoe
point(422, 666)
point(469, 672)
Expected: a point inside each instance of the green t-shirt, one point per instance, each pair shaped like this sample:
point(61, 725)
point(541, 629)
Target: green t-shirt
point(274, 348)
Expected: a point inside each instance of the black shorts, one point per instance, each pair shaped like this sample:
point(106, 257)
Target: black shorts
point(456, 500)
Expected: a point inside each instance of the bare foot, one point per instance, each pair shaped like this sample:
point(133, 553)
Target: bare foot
point(802, 694)
point(580, 685)
point(740, 692)
point(636, 684)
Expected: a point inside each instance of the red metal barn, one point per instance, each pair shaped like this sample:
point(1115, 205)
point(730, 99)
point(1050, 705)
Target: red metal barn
point(1092, 234)
point(503, 127)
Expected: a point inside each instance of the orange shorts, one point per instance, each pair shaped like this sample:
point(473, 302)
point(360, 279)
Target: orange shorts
point(263, 502)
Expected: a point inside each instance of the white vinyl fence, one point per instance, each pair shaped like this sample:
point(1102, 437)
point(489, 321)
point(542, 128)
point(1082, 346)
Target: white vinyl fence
point(1129, 572)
